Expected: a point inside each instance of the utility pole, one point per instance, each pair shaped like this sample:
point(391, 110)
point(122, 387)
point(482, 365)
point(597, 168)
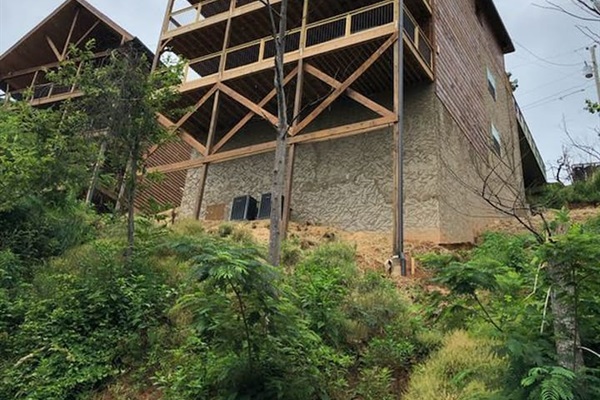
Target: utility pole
point(595, 67)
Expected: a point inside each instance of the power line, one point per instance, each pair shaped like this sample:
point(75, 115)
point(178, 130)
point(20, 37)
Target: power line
point(562, 78)
point(543, 59)
point(556, 97)
point(576, 51)
point(557, 94)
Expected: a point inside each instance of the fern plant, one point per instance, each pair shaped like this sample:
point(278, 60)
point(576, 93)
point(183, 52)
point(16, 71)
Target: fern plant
point(551, 383)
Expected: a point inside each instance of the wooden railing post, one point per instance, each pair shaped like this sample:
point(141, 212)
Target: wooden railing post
point(261, 50)
point(417, 36)
point(186, 71)
point(348, 24)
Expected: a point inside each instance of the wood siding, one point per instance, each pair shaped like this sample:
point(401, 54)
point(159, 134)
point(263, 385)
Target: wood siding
point(466, 46)
point(169, 190)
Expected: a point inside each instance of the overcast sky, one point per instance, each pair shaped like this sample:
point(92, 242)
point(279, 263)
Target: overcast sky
point(548, 62)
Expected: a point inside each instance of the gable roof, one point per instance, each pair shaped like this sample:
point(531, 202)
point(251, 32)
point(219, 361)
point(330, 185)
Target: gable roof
point(33, 49)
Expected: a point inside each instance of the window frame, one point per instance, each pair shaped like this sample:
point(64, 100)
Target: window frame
point(496, 145)
point(491, 83)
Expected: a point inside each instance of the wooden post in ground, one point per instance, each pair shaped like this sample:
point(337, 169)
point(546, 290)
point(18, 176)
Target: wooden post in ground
point(214, 119)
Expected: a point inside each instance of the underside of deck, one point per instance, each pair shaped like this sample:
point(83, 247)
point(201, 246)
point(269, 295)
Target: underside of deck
point(335, 52)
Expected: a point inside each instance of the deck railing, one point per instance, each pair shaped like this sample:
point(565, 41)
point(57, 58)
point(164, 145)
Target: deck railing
point(529, 137)
point(41, 91)
point(184, 13)
point(341, 26)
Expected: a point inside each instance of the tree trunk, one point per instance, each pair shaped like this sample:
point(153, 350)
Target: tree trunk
point(122, 191)
point(566, 332)
point(131, 188)
point(279, 170)
point(94, 181)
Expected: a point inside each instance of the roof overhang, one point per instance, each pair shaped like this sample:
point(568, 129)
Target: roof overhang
point(497, 25)
point(33, 49)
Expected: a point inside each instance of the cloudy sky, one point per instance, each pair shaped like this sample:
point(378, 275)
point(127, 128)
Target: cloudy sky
point(548, 62)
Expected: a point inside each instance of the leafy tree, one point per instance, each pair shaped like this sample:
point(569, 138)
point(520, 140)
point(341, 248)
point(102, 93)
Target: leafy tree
point(42, 154)
point(121, 99)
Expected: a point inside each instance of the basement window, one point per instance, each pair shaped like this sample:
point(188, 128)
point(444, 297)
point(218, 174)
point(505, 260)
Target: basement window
point(496, 141)
point(491, 80)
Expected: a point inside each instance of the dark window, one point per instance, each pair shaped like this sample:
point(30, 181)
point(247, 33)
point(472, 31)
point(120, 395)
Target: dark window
point(491, 84)
point(496, 141)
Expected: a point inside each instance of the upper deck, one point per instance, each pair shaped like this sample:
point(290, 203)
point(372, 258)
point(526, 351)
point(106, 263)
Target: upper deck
point(196, 31)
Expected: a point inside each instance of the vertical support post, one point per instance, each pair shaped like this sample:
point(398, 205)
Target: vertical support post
point(289, 182)
point(215, 114)
point(68, 40)
point(7, 93)
point(34, 79)
point(214, 118)
point(165, 28)
point(399, 142)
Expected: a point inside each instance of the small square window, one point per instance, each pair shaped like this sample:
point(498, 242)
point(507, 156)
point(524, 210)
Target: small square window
point(496, 141)
point(491, 83)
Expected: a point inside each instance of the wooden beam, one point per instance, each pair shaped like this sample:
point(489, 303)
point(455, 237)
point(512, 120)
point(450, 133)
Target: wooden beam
point(40, 68)
point(397, 218)
point(54, 49)
point(166, 18)
point(196, 107)
point(56, 98)
point(293, 56)
point(342, 88)
point(249, 116)
point(249, 104)
point(66, 46)
point(353, 94)
point(214, 118)
point(314, 137)
point(291, 156)
point(87, 33)
point(344, 131)
point(186, 137)
point(245, 9)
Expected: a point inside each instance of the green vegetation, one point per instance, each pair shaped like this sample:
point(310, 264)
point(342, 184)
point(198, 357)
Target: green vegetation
point(557, 195)
point(189, 314)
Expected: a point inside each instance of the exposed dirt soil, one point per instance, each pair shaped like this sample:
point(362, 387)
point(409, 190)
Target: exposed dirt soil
point(374, 248)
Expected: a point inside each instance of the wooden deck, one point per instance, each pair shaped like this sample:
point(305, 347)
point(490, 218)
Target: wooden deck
point(319, 38)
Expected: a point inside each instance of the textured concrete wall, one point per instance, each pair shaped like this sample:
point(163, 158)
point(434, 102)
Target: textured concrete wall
point(348, 182)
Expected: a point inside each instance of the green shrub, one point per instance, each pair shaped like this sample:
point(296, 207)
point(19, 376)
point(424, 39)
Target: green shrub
point(389, 352)
point(225, 229)
point(35, 230)
point(86, 320)
point(375, 384)
point(322, 282)
point(464, 368)
point(372, 306)
point(248, 339)
point(557, 195)
point(291, 253)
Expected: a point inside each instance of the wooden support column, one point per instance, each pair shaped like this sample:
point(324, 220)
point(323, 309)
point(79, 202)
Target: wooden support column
point(164, 29)
point(291, 156)
point(214, 118)
point(209, 143)
point(70, 35)
point(399, 266)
